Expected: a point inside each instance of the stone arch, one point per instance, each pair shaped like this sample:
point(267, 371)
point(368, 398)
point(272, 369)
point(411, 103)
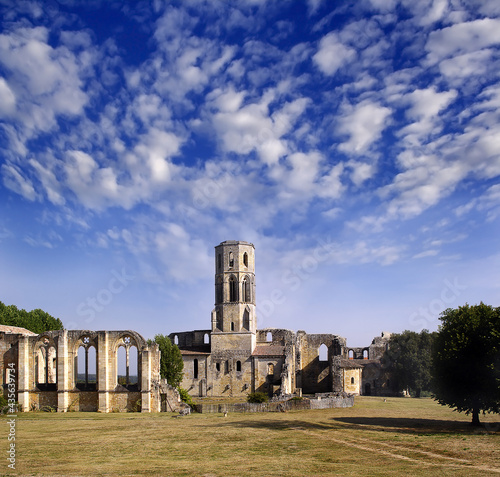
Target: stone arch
point(366, 354)
point(45, 363)
point(129, 341)
point(350, 354)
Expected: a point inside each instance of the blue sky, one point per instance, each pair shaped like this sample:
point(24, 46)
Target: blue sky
point(356, 144)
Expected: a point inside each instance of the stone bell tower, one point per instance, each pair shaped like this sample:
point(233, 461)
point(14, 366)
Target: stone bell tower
point(234, 322)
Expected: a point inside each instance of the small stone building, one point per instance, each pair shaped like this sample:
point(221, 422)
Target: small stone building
point(233, 358)
point(44, 369)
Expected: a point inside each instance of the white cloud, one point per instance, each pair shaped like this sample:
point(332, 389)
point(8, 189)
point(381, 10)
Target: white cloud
point(364, 123)
point(462, 38)
point(332, 54)
point(16, 182)
point(7, 99)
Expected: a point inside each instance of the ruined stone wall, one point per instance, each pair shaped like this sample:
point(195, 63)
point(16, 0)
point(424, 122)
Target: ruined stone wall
point(316, 375)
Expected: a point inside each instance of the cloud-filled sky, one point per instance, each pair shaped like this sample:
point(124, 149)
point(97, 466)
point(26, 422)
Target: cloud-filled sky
point(355, 144)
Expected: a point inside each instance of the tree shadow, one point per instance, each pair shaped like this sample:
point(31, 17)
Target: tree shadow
point(275, 424)
point(410, 425)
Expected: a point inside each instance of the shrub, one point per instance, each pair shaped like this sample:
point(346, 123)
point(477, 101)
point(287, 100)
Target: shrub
point(185, 397)
point(257, 397)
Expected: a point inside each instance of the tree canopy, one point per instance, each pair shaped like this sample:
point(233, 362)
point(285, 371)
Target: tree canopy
point(466, 360)
point(408, 361)
point(171, 364)
point(37, 320)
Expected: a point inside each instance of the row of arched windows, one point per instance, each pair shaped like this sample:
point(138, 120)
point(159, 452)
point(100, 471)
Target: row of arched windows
point(234, 290)
point(85, 366)
point(231, 260)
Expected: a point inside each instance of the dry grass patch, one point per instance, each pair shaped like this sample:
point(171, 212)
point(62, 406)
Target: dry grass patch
point(411, 436)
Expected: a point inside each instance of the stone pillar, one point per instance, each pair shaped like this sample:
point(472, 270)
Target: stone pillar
point(23, 370)
point(62, 372)
point(145, 381)
point(104, 365)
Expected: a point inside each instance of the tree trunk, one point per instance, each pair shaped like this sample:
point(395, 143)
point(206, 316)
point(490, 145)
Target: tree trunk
point(475, 417)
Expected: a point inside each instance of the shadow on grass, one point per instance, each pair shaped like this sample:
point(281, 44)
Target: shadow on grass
point(399, 425)
point(411, 425)
point(275, 425)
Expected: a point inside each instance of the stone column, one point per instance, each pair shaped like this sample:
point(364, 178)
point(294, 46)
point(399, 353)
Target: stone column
point(145, 381)
point(104, 365)
point(23, 370)
point(62, 372)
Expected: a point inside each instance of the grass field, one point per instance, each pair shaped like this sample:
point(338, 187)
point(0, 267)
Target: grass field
point(397, 437)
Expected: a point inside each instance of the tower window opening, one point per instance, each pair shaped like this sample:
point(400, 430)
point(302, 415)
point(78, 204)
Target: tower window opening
point(195, 369)
point(323, 352)
point(270, 369)
point(245, 259)
point(246, 290)
point(269, 336)
point(233, 290)
point(217, 367)
point(232, 325)
point(231, 259)
point(238, 366)
point(206, 339)
point(352, 380)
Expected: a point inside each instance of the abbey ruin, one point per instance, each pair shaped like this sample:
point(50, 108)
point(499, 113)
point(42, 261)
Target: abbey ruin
point(232, 358)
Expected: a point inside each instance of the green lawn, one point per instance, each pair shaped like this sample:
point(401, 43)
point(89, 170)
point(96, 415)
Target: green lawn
point(397, 437)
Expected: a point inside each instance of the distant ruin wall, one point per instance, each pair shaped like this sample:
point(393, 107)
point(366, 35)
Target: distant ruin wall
point(305, 404)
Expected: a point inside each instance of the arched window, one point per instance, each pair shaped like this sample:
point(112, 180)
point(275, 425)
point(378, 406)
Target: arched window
point(270, 369)
point(350, 354)
point(217, 367)
point(323, 352)
point(269, 336)
point(86, 375)
point(231, 260)
point(238, 366)
point(233, 289)
point(246, 290)
point(365, 354)
point(206, 339)
point(232, 325)
point(226, 367)
point(176, 340)
point(352, 380)
point(245, 259)
point(127, 359)
point(195, 369)
point(46, 365)
point(246, 320)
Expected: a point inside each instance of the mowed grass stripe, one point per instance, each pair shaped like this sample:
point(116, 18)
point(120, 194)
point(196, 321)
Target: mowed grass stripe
point(374, 437)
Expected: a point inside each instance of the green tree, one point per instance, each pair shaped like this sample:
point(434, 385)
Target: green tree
point(37, 320)
point(408, 360)
point(171, 364)
point(466, 360)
